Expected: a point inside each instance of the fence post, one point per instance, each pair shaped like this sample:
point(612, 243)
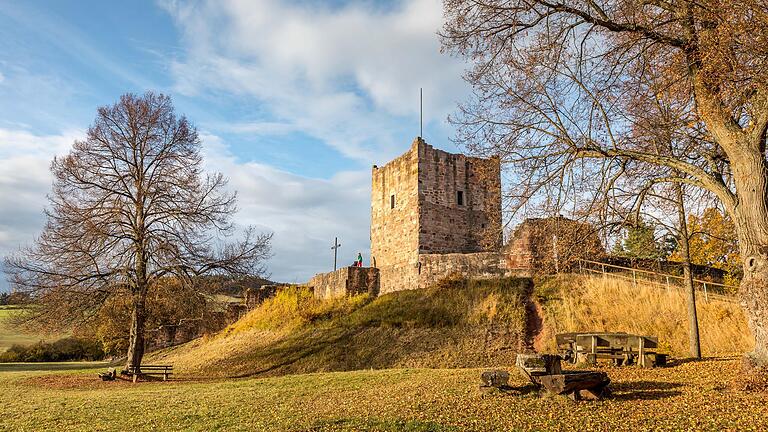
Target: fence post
point(634, 277)
point(667, 283)
point(604, 275)
point(706, 298)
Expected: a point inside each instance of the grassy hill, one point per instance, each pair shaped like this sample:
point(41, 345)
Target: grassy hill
point(458, 323)
point(10, 335)
point(587, 303)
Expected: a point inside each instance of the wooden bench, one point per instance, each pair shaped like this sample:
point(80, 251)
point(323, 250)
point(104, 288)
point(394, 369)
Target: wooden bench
point(147, 370)
point(623, 348)
point(544, 370)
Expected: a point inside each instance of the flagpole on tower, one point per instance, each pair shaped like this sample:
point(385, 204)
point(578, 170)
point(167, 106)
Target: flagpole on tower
point(421, 113)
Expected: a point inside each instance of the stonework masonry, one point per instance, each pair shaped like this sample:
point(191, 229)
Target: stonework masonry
point(480, 265)
point(436, 214)
point(345, 281)
point(431, 202)
point(549, 245)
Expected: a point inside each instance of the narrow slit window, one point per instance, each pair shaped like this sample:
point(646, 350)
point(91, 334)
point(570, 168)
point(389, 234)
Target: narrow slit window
point(460, 198)
point(392, 201)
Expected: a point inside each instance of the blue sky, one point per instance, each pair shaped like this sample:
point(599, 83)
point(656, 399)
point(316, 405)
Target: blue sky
point(295, 102)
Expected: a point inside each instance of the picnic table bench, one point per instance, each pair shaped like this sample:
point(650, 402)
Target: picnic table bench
point(623, 348)
point(147, 370)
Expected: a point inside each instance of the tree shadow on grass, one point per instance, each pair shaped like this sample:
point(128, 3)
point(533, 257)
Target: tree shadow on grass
point(50, 366)
point(645, 390)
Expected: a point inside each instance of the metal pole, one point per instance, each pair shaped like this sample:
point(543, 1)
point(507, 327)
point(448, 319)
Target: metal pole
point(706, 298)
point(421, 112)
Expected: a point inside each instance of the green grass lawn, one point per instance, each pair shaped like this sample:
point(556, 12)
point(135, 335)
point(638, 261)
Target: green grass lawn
point(688, 396)
point(10, 335)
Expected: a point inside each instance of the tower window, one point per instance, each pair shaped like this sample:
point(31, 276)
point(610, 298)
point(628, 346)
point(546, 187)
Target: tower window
point(460, 198)
point(392, 202)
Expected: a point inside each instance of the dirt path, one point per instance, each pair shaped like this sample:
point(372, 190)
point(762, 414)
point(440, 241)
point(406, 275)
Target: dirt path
point(534, 322)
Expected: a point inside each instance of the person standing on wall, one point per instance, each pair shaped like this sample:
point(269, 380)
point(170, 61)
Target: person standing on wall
point(359, 259)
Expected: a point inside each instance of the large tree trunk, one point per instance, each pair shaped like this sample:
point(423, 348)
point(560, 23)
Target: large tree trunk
point(693, 319)
point(751, 219)
point(136, 339)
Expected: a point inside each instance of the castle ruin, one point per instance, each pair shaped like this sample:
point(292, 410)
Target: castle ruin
point(433, 214)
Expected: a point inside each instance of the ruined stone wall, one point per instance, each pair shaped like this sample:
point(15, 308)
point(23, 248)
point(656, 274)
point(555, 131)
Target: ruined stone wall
point(428, 215)
point(255, 296)
point(459, 202)
point(345, 281)
point(395, 231)
point(433, 267)
point(547, 245)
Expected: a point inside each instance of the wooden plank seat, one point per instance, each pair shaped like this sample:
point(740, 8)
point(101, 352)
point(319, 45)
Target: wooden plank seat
point(149, 370)
point(544, 370)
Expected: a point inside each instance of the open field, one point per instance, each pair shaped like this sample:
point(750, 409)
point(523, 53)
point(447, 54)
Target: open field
point(689, 396)
point(9, 335)
point(360, 364)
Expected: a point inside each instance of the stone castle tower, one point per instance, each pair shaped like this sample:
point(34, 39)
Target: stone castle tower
point(432, 213)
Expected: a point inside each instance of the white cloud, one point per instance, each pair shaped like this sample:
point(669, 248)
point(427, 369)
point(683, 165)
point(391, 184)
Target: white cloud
point(346, 75)
point(2, 77)
point(305, 214)
point(24, 181)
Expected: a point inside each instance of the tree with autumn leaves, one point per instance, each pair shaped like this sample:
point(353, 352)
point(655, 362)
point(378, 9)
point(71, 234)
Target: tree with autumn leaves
point(713, 243)
point(132, 211)
point(560, 90)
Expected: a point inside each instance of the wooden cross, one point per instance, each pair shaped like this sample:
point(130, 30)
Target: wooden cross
point(335, 247)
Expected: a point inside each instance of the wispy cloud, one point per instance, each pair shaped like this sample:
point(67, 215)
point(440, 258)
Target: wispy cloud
point(24, 181)
point(304, 213)
point(71, 40)
point(349, 75)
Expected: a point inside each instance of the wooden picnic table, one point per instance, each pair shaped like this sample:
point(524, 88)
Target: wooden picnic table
point(622, 348)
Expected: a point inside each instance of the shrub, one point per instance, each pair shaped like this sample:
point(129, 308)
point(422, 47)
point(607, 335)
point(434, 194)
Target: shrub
point(67, 349)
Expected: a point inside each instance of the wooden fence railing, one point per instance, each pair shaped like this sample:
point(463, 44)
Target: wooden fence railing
point(709, 289)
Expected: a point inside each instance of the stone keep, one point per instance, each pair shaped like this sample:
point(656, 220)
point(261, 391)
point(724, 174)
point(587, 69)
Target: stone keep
point(429, 205)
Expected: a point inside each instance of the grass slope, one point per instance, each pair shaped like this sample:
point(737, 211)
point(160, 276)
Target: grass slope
point(11, 335)
point(689, 396)
point(588, 303)
point(458, 323)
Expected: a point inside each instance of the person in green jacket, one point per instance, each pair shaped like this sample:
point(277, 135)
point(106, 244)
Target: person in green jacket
point(359, 259)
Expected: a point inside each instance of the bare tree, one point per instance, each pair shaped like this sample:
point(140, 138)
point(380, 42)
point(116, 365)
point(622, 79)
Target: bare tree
point(131, 205)
point(558, 85)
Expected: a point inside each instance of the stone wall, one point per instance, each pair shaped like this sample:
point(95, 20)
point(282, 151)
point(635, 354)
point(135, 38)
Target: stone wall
point(415, 209)
point(345, 281)
point(481, 265)
point(254, 296)
point(547, 245)
point(459, 202)
point(395, 231)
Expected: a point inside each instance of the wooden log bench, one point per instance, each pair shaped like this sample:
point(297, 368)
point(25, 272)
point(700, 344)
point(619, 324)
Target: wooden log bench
point(545, 371)
point(149, 370)
point(623, 349)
